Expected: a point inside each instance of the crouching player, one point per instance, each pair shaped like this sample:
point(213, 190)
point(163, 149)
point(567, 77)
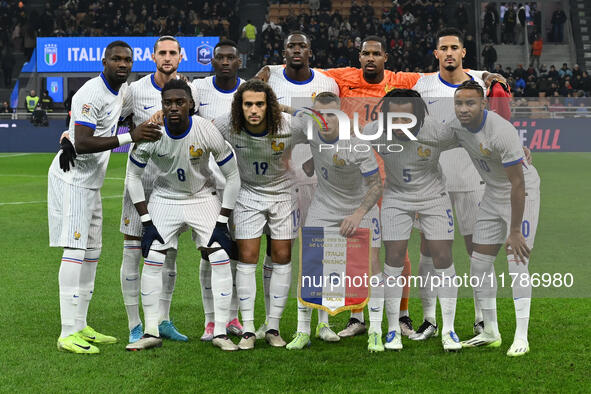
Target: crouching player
point(414, 188)
point(349, 186)
point(508, 212)
point(183, 197)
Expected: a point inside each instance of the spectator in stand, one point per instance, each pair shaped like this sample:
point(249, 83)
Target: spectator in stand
point(471, 53)
point(509, 21)
point(577, 70)
point(461, 16)
point(536, 50)
point(489, 55)
point(5, 109)
point(558, 20)
point(555, 75)
point(586, 83)
point(521, 21)
point(519, 72)
point(314, 5)
point(491, 20)
point(565, 71)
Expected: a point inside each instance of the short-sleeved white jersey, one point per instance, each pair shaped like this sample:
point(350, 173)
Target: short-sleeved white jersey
point(98, 106)
point(340, 169)
point(458, 172)
point(492, 147)
point(182, 161)
point(412, 174)
point(287, 91)
point(263, 159)
point(214, 101)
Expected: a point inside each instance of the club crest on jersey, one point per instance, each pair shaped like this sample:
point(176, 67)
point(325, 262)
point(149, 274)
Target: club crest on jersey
point(277, 147)
point(86, 109)
point(337, 161)
point(314, 95)
point(76, 235)
point(424, 153)
point(484, 151)
point(195, 153)
point(126, 221)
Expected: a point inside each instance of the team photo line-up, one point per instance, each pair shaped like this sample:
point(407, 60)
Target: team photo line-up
point(232, 160)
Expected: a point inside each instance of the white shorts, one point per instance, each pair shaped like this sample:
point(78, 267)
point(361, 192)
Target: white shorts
point(494, 220)
point(319, 217)
point(433, 218)
point(304, 195)
point(173, 219)
point(75, 215)
point(465, 205)
point(275, 217)
point(130, 220)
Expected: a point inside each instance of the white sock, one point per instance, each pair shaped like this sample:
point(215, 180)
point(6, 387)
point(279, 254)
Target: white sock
point(86, 288)
point(221, 287)
point(234, 301)
point(477, 310)
point(278, 293)
point(206, 295)
point(151, 288)
point(304, 317)
point(69, 282)
point(376, 303)
point(168, 282)
point(267, 273)
point(322, 316)
point(482, 267)
point(428, 296)
point(130, 284)
point(358, 315)
point(404, 312)
point(392, 296)
point(246, 285)
point(521, 295)
point(448, 295)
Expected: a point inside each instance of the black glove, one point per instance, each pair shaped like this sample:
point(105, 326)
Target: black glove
point(150, 234)
point(221, 235)
point(68, 155)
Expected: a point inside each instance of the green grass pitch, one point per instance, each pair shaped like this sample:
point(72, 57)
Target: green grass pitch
point(29, 309)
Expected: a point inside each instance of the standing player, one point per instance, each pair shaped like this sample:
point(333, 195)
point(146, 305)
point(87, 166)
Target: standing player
point(74, 201)
point(184, 197)
point(143, 100)
point(349, 187)
point(297, 80)
point(218, 92)
point(261, 137)
point(414, 189)
point(508, 212)
point(462, 182)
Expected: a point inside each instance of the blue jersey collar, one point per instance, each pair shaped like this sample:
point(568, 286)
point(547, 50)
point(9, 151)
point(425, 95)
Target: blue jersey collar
point(299, 82)
point(115, 92)
point(481, 124)
point(451, 85)
point(178, 137)
point(158, 88)
point(226, 91)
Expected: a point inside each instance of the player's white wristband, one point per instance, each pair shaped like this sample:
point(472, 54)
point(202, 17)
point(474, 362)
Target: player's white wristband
point(222, 219)
point(145, 218)
point(124, 139)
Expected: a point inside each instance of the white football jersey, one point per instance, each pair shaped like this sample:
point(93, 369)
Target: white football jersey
point(263, 160)
point(341, 170)
point(182, 161)
point(413, 174)
point(299, 94)
point(144, 100)
point(458, 172)
point(98, 106)
point(215, 101)
point(492, 147)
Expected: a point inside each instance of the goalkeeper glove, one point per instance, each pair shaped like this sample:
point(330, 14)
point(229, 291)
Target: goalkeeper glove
point(68, 154)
